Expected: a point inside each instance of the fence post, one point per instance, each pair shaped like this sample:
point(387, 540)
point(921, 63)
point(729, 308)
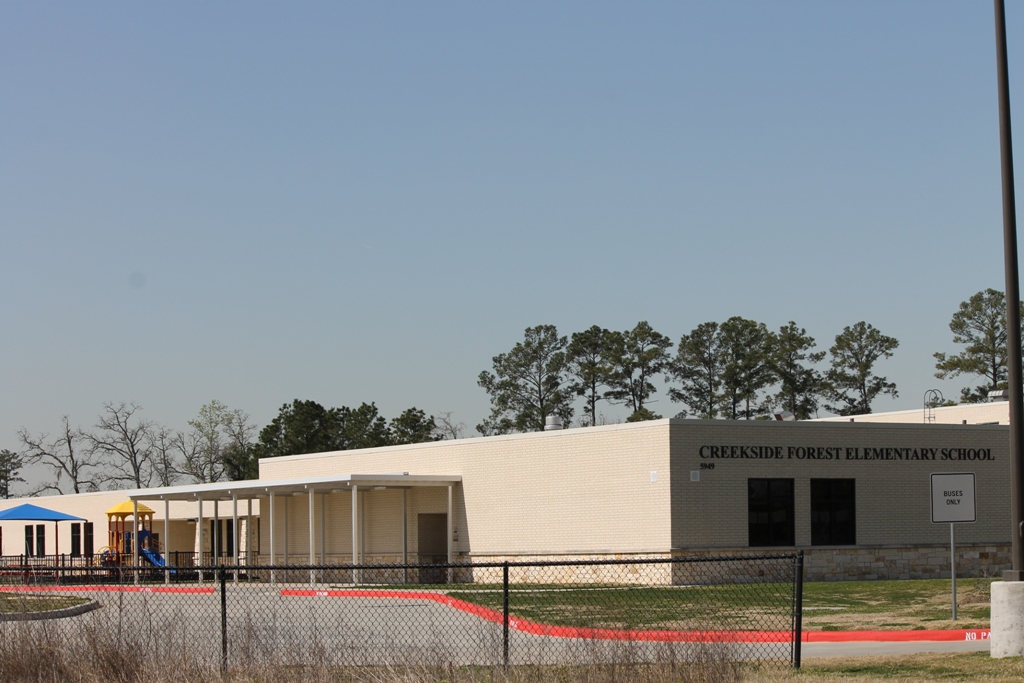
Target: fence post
point(223, 622)
point(798, 607)
point(504, 610)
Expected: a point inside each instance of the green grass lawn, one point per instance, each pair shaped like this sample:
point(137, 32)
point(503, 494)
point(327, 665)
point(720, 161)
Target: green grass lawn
point(744, 606)
point(841, 605)
point(19, 602)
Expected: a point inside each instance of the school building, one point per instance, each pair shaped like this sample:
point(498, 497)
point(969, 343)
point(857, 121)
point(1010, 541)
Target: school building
point(855, 496)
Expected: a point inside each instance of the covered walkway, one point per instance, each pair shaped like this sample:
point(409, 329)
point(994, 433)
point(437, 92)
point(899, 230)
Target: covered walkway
point(272, 491)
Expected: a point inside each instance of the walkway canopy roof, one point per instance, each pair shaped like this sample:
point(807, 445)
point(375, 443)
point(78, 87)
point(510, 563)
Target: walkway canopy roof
point(33, 513)
point(258, 488)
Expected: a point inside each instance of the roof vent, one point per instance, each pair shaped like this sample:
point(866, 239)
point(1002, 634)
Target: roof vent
point(999, 395)
point(552, 423)
point(785, 416)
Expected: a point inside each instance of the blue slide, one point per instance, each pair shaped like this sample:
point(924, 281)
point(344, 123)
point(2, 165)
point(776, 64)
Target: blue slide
point(153, 557)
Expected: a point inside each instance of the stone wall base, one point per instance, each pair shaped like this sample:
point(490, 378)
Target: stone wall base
point(890, 562)
point(820, 564)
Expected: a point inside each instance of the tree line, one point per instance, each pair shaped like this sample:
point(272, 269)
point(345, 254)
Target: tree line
point(737, 369)
point(125, 450)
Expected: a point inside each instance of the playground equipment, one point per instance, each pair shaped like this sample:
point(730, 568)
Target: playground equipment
point(121, 536)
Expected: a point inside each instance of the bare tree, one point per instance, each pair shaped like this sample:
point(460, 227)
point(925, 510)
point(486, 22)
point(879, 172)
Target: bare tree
point(239, 455)
point(196, 462)
point(163, 443)
point(124, 441)
point(211, 435)
point(447, 428)
point(65, 456)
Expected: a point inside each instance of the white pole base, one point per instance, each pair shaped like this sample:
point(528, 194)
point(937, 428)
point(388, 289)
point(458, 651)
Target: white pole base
point(1007, 621)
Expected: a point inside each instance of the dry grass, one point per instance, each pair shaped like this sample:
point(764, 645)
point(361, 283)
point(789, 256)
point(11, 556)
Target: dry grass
point(44, 652)
point(920, 668)
point(895, 605)
point(51, 652)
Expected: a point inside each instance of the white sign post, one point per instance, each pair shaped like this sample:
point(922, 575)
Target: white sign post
point(953, 501)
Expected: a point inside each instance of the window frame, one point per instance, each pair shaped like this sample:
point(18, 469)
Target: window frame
point(765, 528)
point(840, 509)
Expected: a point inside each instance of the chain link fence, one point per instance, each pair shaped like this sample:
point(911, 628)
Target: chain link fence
point(483, 614)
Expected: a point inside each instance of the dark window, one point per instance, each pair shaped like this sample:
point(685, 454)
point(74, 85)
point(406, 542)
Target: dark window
point(30, 540)
point(88, 539)
point(221, 538)
point(229, 538)
point(770, 512)
point(833, 512)
point(40, 540)
point(76, 539)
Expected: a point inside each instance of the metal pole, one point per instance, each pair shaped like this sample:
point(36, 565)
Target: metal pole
point(135, 539)
point(223, 622)
point(1013, 350)
point(312, 542)
point(798, 609)
point(248, 535)
point(234, 533)
point(355, 533)
point(216, 539)
point(405, 537)
point(199, 532)
point(504, 610)
point(167, 538)
point(952, 564)
point(451, 533)
point(273, 557)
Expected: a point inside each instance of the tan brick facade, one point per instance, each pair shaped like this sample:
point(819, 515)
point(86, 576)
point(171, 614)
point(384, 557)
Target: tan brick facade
point(642, 490)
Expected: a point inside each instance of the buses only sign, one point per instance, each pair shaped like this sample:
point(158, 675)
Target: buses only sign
point(953, 498)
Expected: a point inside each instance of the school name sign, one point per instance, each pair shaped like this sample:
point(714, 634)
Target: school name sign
point(727, 452)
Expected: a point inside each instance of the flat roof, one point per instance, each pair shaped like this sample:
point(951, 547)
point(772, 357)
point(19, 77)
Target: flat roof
point(257, 488)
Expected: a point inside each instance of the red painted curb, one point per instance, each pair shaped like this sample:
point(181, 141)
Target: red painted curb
point(895, 636)
point(719, 636)
point(106, 589)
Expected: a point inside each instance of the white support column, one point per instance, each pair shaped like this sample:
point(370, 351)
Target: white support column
point(451, 532)
point(273, 557)
point(355, 531)
point(284, 515)
point(405, 535)
point(248, 534)
point(167, 539)
point(215, 536)
point(234, 532)
point(323, 528)
point(199, 532)
point(312, 531)
point(135, 539)
point(451, 528)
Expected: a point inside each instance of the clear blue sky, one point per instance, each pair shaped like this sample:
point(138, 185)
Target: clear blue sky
point(352, 202)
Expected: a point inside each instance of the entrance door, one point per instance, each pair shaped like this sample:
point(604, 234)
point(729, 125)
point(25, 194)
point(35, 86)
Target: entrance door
point(432, 543)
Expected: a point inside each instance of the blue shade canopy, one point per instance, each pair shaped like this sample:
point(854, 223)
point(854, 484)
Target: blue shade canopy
point(33, 513)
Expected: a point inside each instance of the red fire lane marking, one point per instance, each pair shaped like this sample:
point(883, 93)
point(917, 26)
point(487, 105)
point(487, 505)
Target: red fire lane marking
point(107, 589)
point(895, 636)
point(534, 628)
point(719, 636)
